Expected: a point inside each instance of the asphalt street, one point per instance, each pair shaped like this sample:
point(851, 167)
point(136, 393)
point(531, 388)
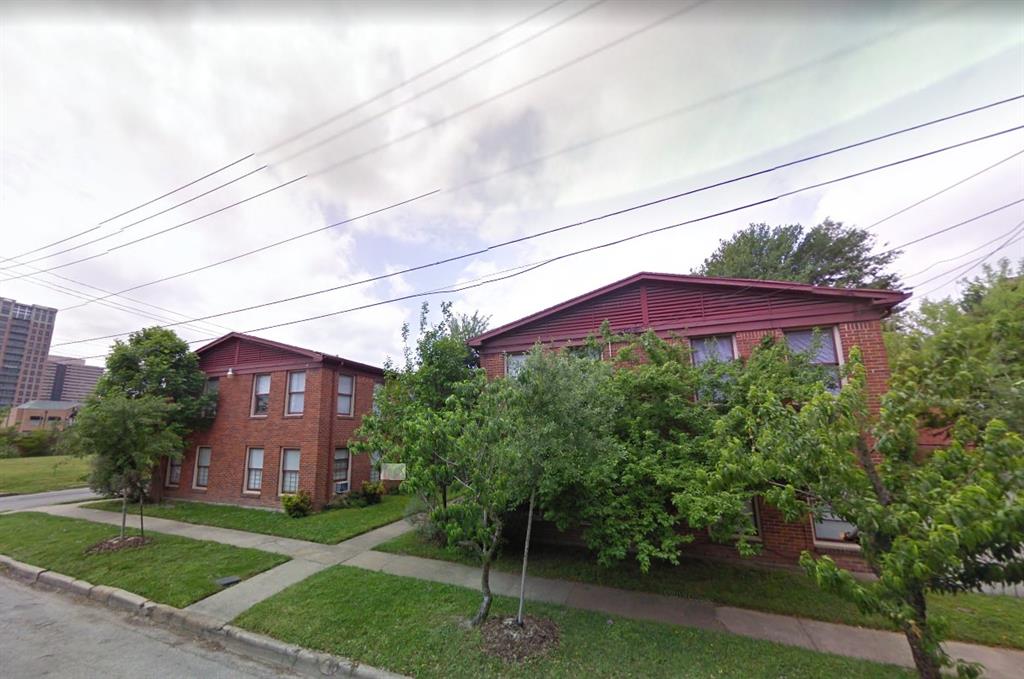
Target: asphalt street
point(14, 503)
point(48, 634)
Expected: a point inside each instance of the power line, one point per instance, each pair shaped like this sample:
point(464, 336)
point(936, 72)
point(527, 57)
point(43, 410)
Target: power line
point(618, 241)
point(163, 231)
point(676, 196)
point(962, 254)
point(408, 81)
point(1016, 236)
point(483, 102)
point(128, 226)
point(262, 248)
point(436, 86)
point(932, 234)
point(133, 209)
point(948, 188)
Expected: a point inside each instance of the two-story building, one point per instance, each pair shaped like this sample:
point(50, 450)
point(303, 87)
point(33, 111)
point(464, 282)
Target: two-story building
point(285, 417)
point(723, 318)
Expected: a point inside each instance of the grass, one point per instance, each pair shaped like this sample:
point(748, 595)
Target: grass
point(413, 627)
point(978, 618)
point(329, 527)
point(37, 474)
point(171, 570)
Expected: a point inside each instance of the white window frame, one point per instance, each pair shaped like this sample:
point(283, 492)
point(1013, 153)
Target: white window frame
point(836, 342)
point(171, 464)
point(825, 543)
point(255, 384)
point(288, 393)
point(282, 471)
point(195, 468)
point(515, 354)
point(351, 396)
point(248, 468)
point(348, 472)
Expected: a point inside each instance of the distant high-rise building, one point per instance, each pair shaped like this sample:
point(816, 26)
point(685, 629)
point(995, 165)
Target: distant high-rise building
point(67, 379)
point(25, 334)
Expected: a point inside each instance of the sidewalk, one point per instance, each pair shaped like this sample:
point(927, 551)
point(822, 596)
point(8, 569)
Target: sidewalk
point(845, 640)
point(310, 557)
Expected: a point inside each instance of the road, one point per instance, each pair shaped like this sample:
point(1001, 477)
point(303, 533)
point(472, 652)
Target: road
point(47, 634)
point(13, 503)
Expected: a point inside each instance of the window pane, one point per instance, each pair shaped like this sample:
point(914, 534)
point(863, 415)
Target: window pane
point(345, 384)
point(831, 527)
point(256, 458)
point(296, 402)
point(204, 457)
point(340, 472)
point(377, 387)
point(344, 405)
point(255, 480)
point(375, 468)
point(291, 460)
point(263, 384)
point(514, 364)
point(213, 385)
point(202, 476)
point(822, 344)
point(261, 405)
point(716, 348)
point(290, 482)
point(297, 381)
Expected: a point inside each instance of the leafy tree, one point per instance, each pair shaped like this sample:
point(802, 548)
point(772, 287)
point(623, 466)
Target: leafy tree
point(949, 521)
point(156, 362)
point(982, 333)
point(407, 425)
point(827, 254)
point(561, 406)
point(127, 437)
point(39, 442)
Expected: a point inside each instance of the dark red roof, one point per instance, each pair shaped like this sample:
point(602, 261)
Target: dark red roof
point(317, 356)
point(883, 299)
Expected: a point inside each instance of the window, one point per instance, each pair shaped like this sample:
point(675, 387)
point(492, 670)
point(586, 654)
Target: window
point(375, 406)
point(340, 471)
point(713, 348)
point(173, 472)
point(514, 363)
point(586, 351)
point(375, 466)
point(212, 385)
point(755, 517)
point(819, 344)
point(202, 467)
point(254, 470)
point(296, 393)
point(831, 528)
point(346, 389)
point(289, 470)
point(260, 395)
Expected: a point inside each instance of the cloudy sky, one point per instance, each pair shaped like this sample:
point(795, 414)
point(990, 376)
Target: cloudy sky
point(520, 117)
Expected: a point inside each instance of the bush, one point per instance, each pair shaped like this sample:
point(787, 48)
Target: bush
point(347, 501)
point(372, 491)
point(298, 505)
point(37, 443)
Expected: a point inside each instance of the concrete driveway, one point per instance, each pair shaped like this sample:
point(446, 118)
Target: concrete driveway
point(14, 503)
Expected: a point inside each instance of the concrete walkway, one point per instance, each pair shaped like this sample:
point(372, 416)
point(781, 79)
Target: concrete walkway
point(310, 557)
point(846, 640)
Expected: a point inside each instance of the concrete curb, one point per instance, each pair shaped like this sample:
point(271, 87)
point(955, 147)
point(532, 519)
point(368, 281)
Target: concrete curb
point(300, 660)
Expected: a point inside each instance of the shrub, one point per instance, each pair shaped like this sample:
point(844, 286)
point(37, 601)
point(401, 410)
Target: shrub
point(37, 443)
point(372, 491)
point(298, 505)
point(352, 500)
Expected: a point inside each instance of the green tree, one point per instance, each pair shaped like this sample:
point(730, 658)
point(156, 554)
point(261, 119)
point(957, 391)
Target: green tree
point(127, 437)
point(827, 254)
point(949, 521)
point(982, 334)
point(408, 423)
point(562, 407)
point(156, 362)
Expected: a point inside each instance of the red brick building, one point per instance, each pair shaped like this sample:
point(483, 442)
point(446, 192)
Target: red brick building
point(725, 318)
point(285, 416)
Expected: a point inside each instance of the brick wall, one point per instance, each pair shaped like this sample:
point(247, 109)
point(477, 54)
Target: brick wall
point(316, 432)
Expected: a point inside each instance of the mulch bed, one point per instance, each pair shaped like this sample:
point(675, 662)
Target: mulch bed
point(116, 544)
point(510, 642)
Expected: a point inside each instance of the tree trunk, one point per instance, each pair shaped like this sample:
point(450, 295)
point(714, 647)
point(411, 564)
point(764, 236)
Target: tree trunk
point(142, 527)
point(526, 555)
point(444, 496)
point(124, 510)
point(485, 576)
point(917, 633)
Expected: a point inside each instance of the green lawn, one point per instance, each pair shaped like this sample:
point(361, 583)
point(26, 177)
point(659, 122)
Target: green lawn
point(992, 620)
point(328, 527)
point(413, 627)
point(171, 570)
point(37, 474)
